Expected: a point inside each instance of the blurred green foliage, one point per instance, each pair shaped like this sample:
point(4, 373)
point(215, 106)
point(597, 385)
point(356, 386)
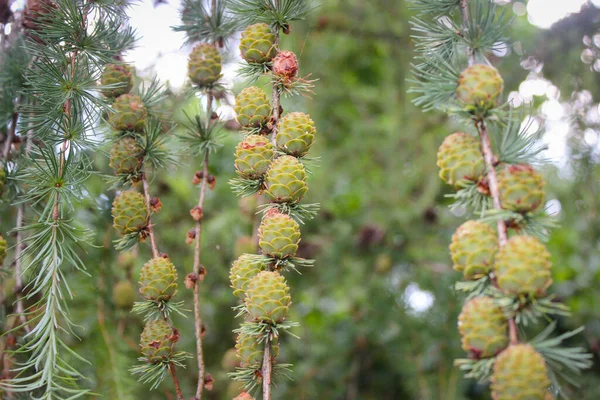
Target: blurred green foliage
point(377, 312)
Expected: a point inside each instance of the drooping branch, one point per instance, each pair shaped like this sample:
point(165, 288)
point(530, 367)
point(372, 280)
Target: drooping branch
point(490, 164)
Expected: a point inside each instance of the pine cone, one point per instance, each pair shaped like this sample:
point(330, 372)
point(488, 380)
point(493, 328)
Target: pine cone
point(523, 267)
point(204, 65)
point(267, 297)
point(285, 64)
point(129, 212)
point(483, 328)
point(520, 374)
point(242, 270)
point(295, 134)
point(129, 113)
point(126, 156)
point(123, 295)
point(253, 156)
point(250, 352)
point(479, 86)
point(521, 188)
point(278, 235)
point(157, 341)
point(473, 247)
point(252, 107)
point(2, 249)
point(459, 159)
point(285, 180)
point(258, 44)
point(158, 280)
point(114, 74)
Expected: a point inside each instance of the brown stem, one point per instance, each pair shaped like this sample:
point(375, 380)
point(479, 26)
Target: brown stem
point(197, 265)
point(18, 277)
point(488, 157)
point(464, 13)
point(267, 369)
point(276, 100)
point(176, 381)
point(155, 253)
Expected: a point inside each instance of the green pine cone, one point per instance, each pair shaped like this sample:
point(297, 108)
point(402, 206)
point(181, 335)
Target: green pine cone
point(126, 156)
point(473, 247)
point(521, 188)
point(483, 328)
point(285, 180)
point(295, 134)
point(268, 297)
point(116, 74)
point(129, 113)
point(253, 156)
point(250, 352)
point(157, 341)
point(123, 295)
point(459, 159)
point(158, 280)
point(242, 270)
point(129, 212)
point(479, 87)
point(520, 373)
point(204, 65)
point(252, 107)
point(258, 44)
point(523, 267)
point(278, 235)
point(2, 249)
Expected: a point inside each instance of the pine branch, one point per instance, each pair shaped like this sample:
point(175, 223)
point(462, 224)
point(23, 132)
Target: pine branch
point(60, 106)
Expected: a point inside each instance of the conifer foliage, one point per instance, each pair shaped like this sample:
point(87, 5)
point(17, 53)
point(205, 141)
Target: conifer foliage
point(57, 109)
point(269, 160)
point(506, 268)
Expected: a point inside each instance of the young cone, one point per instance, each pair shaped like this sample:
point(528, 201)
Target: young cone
point(520, 373)
point(483, 328)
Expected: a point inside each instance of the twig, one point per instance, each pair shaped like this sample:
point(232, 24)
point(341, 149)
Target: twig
point(276, 101)
point(155, 253)
point(10, 136)
point(19, 279)
point(197, 251)
point(488, 156)
point(464, 13)
point(175, 381)
point(267, 369)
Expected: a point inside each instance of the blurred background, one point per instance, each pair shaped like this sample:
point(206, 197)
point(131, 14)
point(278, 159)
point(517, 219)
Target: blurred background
point(378, 311)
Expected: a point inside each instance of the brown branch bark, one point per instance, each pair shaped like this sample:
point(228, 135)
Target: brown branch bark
point(267, 369)
point(176, 381)
point(197, 265)
point(464, 13)
point(488, 157)
point(155, 252)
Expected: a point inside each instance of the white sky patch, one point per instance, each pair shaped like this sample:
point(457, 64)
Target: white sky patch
point(158, 49)
point(417, 300)
point(544, 13)
point(553, 207)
